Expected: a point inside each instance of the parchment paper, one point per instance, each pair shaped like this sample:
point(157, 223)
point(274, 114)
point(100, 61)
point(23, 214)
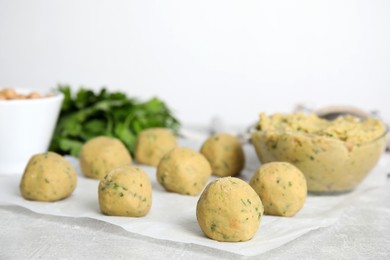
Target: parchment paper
point(172, 216)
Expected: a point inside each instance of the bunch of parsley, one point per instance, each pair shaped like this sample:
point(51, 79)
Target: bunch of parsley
point(88, 114)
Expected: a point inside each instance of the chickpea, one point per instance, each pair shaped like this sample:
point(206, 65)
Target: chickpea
point(9, 93)
point(33, 95)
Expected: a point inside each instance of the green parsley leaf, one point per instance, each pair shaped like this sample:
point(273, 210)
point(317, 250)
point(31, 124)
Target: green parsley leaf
point(86, 114)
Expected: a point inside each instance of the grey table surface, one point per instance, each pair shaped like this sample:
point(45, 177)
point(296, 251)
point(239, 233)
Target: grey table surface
point(362, 232)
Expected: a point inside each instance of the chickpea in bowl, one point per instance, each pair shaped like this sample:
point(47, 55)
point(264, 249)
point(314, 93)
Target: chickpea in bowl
point(12, 94)
point(27, 118)
point(334, 155)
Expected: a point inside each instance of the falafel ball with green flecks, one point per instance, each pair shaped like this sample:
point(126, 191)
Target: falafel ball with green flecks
point(225, 154)
point(48, 177)
point(229, 210)
point(125, 191)
point(101, 154)
point(152, 144)
point(184, 171)
point(281, 187)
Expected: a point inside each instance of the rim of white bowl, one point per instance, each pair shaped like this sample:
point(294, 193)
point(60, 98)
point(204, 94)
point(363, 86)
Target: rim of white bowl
point(56, 95)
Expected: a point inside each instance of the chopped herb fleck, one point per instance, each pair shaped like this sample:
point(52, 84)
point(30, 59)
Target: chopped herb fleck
point(162, 179)
point(213, 226)
point(225, 164)
point(152, 137)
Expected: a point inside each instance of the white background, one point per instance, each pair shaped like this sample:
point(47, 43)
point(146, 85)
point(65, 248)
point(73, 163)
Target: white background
point(231, 59)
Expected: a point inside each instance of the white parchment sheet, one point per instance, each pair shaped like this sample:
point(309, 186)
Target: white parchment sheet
point(172, 216)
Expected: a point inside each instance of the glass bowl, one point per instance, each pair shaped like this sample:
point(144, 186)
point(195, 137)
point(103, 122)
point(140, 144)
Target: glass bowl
point(330, 165)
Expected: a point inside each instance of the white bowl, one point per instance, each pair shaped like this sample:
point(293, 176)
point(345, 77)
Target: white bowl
point(26, 128)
